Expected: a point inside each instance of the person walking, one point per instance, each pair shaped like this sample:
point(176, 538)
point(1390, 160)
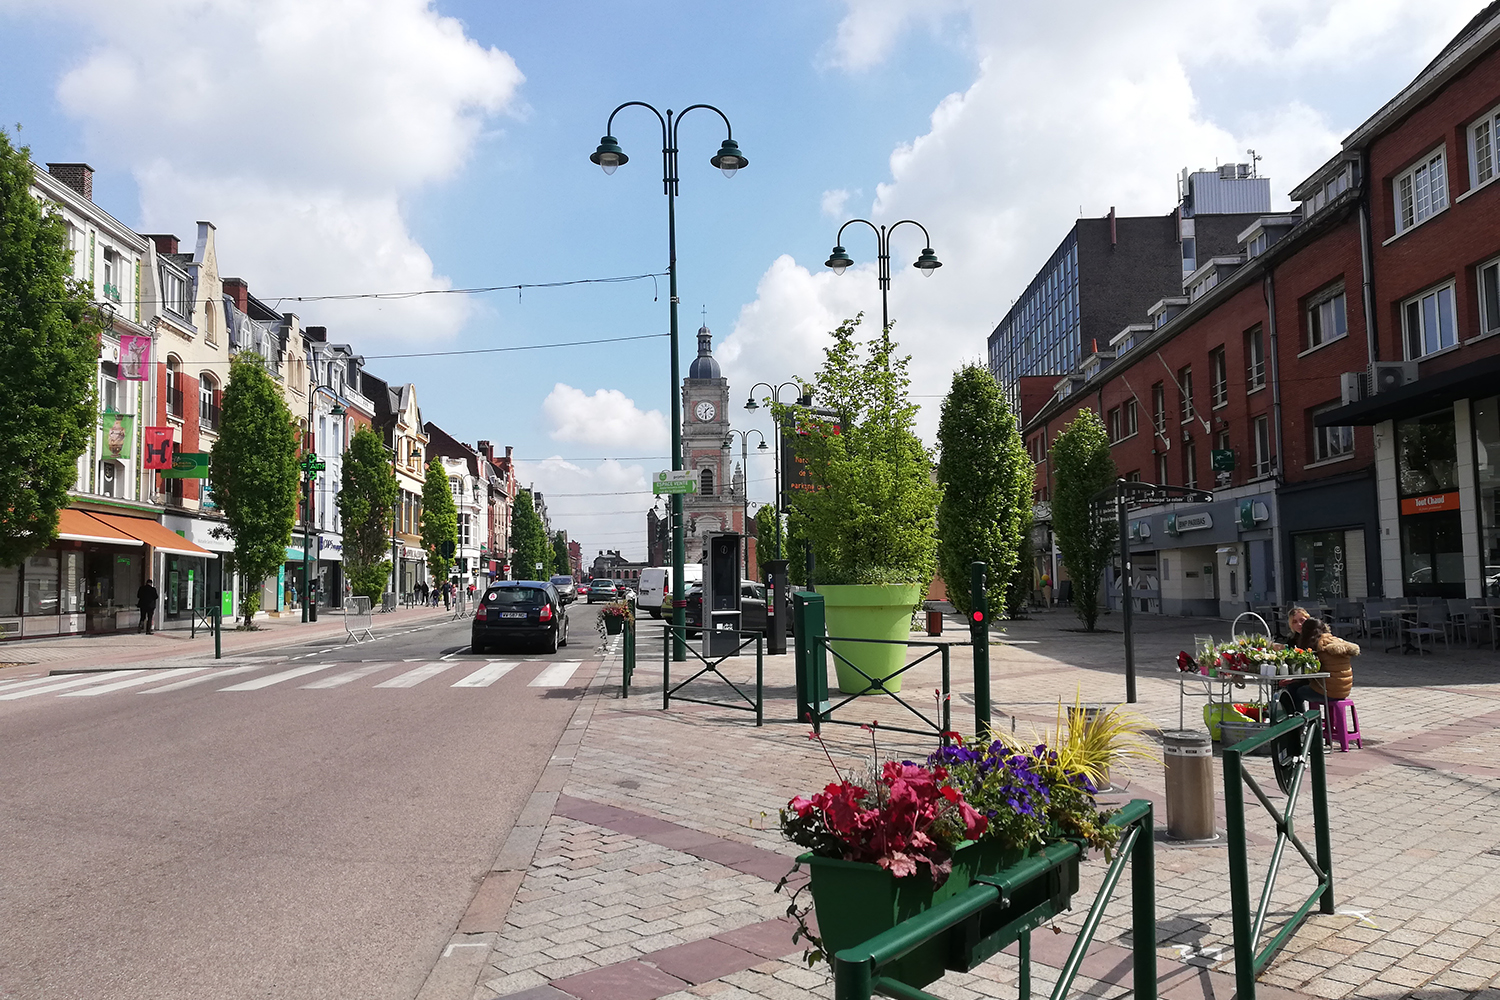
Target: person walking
point(145, 599)
point(447, 594)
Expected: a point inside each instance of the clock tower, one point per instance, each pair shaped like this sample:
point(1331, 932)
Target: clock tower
point(717, 506)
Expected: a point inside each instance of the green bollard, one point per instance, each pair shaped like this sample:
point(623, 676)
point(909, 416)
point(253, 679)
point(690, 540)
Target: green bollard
point(979, 635)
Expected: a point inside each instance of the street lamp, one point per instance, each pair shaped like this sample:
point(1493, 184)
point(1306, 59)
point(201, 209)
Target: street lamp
point(745, 486)
point(926, 262)
point(804, 398)
point(311, 466)
point(728, 159)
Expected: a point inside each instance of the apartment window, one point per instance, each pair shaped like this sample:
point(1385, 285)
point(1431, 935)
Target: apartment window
point(1114, 424)
point(1482, 153)
point(173, 291)
point(1189, 466)
point(1221, 443)
point(1421, 192)
point(112, 272)
point(1159, 407)
point(1185, 384)
point(1133, 477)
point(1428, 322)
point(174, 386)
point(1329, 442)
point(109, 388)
point(1255, 359)
point(1489, 297)
point(456, 487)
point(208, 407)
point(1257, 245)
point(1162, 479)
point(1260, 434)
point(1218, 372)
point(463, 529)
point(1132, 419)
point(1326, 318)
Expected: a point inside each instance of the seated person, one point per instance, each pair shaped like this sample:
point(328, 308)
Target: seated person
point(1334, 655)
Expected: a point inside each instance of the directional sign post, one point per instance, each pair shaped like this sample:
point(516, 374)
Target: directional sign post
point(679, 481)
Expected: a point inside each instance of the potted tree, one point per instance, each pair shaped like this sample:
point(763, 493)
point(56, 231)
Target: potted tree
point(871, 515)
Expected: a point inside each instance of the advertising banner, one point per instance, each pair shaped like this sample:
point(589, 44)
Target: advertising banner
point(159, 447)
point(188, 465)
point(135, 357)
point(795, 475)
point(118, 430)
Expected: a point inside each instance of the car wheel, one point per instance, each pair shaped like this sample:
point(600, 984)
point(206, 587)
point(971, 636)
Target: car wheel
point(550, 644)
point(476, 648)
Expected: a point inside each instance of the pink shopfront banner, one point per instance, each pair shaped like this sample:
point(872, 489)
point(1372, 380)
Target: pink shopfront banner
point(135, 357)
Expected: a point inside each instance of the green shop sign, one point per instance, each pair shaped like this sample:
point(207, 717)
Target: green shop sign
point(188, 465)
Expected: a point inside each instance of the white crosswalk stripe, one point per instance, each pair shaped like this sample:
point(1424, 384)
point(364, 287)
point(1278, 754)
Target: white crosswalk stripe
point(348, 676)
point(557, 675)
point(219, 673)
point(129, 682)
point(486, 675)
point(17, 684)
point(414, 677)
point(286, 675)
point(95, 678)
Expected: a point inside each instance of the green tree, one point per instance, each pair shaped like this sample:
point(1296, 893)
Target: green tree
point(528, 538)
point(439, 519)
point(1086, 533)
point(49, 357)
point(873, 517)
point(367, 504)
point(561, 564)
point(986, 477)
point(767, 527)
point(254, 474)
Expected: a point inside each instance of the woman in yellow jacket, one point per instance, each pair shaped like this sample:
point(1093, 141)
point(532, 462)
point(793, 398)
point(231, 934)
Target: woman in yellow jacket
point(1334, 655)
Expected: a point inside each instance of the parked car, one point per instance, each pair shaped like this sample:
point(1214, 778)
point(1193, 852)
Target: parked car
point(519, 610)
point(656, 586)
point(603, 590)
point(566, 588)
point(752, 609)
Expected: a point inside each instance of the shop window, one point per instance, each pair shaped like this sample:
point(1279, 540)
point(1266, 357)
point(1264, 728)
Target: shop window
point(1431, 523)
point(1321, 565)
point(41, 590)
point(1487, 455)
point(10, 590)
point(1329, 442)
point(1426, 454)
point(1428, 322)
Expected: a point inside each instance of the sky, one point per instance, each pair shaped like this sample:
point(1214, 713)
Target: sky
point(375, 146)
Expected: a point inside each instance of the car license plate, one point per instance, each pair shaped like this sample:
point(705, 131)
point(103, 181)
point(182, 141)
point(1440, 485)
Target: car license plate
point(512, 614)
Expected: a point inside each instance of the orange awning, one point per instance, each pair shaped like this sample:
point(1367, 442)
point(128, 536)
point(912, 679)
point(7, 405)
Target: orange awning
point(153, 534)
point(78, 526)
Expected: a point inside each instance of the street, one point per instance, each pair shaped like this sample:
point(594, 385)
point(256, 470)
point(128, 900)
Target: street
point(305, 822)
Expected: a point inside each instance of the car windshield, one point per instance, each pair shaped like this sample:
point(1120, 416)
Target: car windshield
point(562, 581)
point(528, 597)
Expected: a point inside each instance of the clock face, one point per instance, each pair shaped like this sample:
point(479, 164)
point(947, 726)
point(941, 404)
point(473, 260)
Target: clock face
point(705, 411)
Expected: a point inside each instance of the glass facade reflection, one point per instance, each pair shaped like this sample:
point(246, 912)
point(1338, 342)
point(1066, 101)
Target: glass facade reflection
point(1040, 335)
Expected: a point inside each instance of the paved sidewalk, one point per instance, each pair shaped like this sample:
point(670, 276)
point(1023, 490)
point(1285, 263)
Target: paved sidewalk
point(649, 866)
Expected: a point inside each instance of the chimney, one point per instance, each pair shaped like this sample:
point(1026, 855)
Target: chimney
point(78, 176)
point(165, 242)
point(507, 452)
point(488, 451)
point(1112, 234)
point(315, 333)
point(237, 289)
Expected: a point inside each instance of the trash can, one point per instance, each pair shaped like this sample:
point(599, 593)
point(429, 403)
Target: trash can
point(934, 622)
point(1189, 758)
point(1091, 715)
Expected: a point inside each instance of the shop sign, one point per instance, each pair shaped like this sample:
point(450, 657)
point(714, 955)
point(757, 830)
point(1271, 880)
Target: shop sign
point(1222, 459)
point(1430, 504)
point(158, 448)
point(330, 548)
point(1178, 523)
point(674, 481)
point(188, 465)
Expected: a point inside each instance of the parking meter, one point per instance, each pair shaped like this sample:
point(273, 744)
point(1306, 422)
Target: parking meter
point(721, 595)
point(778, 605)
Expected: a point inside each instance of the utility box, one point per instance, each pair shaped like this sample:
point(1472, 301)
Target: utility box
point(721, 595)
point(812, 658)
point(778, 606)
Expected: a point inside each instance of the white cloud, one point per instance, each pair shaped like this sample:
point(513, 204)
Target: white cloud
point(607, 419)
point(832, 203)
point(296, 128)
point(603, 507)
point(1092, 105)
point(871, 28)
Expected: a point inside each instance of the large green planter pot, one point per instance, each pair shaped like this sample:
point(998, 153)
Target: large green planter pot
point(869, 611)
point(856, 901)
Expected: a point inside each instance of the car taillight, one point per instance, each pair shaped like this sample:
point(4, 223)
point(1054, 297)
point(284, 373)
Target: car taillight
point(546, 614)
point(480, 614)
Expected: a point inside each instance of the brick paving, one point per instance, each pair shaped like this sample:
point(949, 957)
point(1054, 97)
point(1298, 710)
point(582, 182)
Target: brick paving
point(653, 875)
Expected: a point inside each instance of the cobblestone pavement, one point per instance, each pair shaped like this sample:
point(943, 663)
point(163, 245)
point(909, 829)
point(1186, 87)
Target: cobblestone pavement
point(654, 874)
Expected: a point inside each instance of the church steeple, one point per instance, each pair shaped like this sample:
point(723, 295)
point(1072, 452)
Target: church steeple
point(704, 365)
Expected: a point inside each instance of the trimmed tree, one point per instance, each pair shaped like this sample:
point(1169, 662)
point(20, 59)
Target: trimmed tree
point(986, 477)
point(439, 519)
point(367, 504)
point(254, 475)
point(767, 527)
point(529, 539)
point(49, 357)
point(561, 564)
point(1086, 534)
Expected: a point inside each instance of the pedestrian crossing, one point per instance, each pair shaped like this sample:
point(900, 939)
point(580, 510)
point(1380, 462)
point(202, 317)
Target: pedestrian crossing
point(243, 679)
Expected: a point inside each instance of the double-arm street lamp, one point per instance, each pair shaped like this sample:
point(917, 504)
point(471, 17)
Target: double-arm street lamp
point(804, 398)
point(927, 262)
point(745, 484)
point(729, 159)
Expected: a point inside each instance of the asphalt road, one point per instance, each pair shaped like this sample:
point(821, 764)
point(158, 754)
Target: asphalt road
point(307, 823)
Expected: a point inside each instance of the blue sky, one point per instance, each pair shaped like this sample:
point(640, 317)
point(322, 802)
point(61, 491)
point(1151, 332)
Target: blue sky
point(379, 145)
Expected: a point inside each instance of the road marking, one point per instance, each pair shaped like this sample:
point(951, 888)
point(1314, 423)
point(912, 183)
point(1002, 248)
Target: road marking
point(554, 676)
point(336, 680)
point(16, 685)
point(448, 951)
point(486, 675)
point(285, 675)
point(414, 677)
point(60, 686)
point(132, 682)
point(216, 675)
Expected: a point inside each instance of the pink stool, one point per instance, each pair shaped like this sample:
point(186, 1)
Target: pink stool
point(1341, 723)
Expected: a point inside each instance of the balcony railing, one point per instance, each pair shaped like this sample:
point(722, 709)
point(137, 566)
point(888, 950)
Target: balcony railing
point(208, 415)
point(174, 401)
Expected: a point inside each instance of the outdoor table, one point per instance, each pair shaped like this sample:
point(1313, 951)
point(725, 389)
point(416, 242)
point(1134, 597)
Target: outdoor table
point(1207, 691)
point(1398, 618)
point(1266, 686)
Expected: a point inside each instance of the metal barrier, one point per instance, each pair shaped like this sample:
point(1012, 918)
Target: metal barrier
point(387, 602)
point(357, 619)
point(1308, 730)
point(461, 607)
point(877, 685)
point(1005, 907)
point(668, 691)
point(627, 657)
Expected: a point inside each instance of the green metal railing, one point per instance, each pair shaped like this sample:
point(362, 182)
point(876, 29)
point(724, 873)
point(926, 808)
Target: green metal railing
point(744, 702)
point(1004, 908)
point(1307, 728)
point(823, 711)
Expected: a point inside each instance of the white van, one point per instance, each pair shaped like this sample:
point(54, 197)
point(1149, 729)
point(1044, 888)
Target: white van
point(656, 586)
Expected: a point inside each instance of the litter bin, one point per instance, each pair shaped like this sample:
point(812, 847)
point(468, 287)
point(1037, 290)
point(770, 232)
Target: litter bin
point(934, 622)
point(1091, 715)
point(1189, 757)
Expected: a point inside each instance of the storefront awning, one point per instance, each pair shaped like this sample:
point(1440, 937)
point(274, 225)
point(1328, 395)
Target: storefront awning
point(153, 534)
point(78, 526)
point(1422, 396)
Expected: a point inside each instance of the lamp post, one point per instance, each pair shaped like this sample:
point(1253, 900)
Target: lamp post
point(311, 466)
point(926, 262)
point(728, 159)
point(804, 399)
point(745, 486)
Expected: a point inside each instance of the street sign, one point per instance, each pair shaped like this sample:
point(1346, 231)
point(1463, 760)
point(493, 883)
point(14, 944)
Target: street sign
point(680, 481)
point(226, 603)
point(447, 548)
point(188, 465)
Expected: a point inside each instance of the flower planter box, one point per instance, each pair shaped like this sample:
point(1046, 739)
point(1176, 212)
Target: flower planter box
point(613, 624)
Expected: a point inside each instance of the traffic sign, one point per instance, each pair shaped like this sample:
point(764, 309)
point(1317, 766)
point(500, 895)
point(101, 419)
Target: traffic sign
point(680, 481)
point(447, 548)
